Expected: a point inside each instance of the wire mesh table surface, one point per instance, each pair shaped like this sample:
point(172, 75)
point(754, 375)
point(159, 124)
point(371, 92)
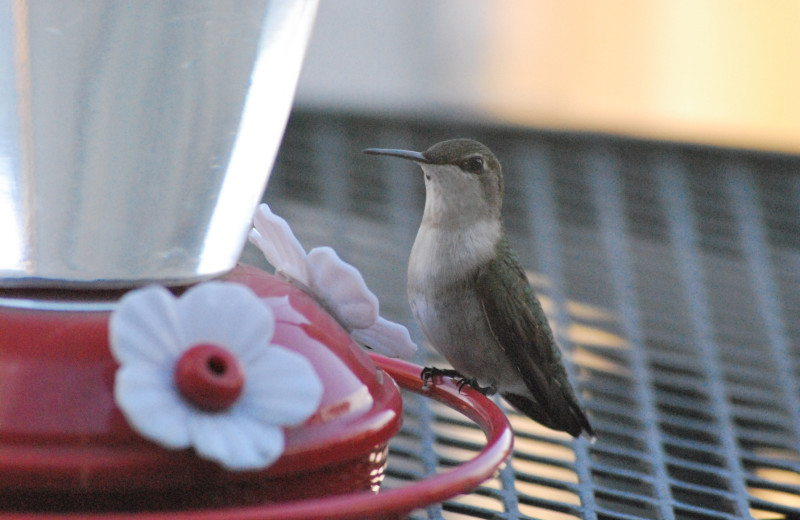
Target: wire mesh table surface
point(670, 274)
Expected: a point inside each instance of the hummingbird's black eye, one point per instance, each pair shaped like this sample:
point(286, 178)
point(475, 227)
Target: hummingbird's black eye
point(472, 165)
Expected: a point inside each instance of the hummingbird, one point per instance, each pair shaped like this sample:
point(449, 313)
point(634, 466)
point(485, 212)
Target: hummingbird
point(470, 296)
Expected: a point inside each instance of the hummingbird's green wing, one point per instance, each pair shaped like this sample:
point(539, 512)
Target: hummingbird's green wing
point(520, 326)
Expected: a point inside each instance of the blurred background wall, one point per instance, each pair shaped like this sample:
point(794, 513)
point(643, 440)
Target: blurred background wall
point(720, 72)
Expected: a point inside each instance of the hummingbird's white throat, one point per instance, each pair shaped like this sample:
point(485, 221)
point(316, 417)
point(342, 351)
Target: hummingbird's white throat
point(454, 199)
point(459, 228)
point(440, 255)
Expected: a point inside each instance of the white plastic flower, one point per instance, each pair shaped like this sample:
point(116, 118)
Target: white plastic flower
point(337, 285)
point(199, 371)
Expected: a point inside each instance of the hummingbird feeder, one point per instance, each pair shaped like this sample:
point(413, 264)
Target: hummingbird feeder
point(136, 140)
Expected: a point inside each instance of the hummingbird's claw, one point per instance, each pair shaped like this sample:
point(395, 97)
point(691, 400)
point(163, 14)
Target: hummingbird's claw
point(473, 383)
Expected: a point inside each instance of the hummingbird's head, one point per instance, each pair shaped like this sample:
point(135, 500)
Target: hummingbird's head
point(463, 181)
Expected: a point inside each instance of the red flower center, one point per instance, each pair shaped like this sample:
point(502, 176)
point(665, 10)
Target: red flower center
point(209, 377)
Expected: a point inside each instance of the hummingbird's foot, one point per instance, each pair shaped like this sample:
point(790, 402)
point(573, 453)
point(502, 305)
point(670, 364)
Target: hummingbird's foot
point(429, 373)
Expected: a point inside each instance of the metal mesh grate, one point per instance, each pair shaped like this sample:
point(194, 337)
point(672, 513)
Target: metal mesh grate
point(671, 275)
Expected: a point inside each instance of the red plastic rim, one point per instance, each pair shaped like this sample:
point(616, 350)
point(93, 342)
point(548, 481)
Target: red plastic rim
point(391, 503)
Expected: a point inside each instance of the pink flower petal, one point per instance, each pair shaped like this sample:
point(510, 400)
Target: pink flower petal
point(342, 289)
point(273, 236)
point(386, 337)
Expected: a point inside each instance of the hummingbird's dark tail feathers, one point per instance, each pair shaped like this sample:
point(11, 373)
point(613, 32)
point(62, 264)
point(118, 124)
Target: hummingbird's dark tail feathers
point(570, 418)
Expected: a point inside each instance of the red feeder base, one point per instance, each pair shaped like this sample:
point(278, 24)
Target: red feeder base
point(64, 445)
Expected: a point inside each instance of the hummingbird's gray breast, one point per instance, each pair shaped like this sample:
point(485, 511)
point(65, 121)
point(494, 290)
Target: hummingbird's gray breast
point(451, 318)
point(445, 303)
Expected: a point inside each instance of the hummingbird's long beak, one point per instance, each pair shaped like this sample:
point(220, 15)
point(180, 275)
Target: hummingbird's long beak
point(403, 154)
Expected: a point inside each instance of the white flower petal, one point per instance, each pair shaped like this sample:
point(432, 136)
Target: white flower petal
point(386, 337)
point(238, 443)
point(273, 236)
point(228, 315)
point(283, 310)
point(342, 289)
point(214, 437)
point(269, 441)
point(150, 331)
point(151, 405)
point(144, 327)
point(282, 387)
point(263, 441)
